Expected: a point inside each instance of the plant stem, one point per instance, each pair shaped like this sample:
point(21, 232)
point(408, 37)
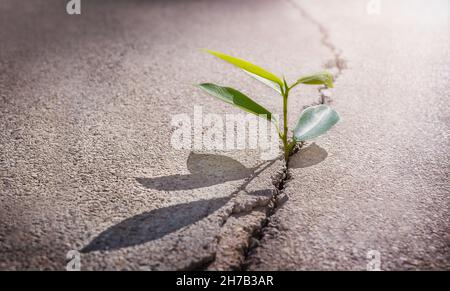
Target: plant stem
point(285, 125)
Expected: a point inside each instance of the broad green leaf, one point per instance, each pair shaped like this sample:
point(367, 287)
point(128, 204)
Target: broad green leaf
point(315, 121)
point(248, 67)
point(322, 78)
point(236, 98)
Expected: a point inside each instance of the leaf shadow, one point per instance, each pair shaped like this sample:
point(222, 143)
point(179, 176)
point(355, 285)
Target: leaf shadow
point(308, 156)
point(205, 170)
point(154, 224)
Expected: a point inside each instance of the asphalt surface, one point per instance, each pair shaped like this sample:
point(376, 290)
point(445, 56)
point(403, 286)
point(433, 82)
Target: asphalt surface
point(86, 162)
point(380, 180)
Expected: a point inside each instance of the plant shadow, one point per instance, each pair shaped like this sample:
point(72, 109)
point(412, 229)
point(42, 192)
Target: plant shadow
point(307, 157)
point(154, 224)
point(205, 170)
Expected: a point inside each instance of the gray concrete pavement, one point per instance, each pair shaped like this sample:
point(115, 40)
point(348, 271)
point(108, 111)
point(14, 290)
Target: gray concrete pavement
point(384, 184)
point(86, 161)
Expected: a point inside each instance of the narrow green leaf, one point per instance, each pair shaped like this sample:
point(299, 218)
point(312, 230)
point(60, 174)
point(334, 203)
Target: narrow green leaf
point(322, 78)
point(236, 98)
point(267, 82)
point(249, 68)
point(315, 121)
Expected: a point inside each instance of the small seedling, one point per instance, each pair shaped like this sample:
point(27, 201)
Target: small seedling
point(313, 121)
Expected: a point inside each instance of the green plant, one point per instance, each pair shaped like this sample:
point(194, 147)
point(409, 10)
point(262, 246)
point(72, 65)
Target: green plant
point(313, 121)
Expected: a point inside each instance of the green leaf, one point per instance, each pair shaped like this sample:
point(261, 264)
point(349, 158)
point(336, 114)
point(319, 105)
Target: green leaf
point(250, 68)
point(315, 121)
point(269, 83)
point(236, 98)
point(322, 78)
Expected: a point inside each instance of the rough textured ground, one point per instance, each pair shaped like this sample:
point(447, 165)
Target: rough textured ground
point(384, 184)
point(86, 106)
point(86, 163)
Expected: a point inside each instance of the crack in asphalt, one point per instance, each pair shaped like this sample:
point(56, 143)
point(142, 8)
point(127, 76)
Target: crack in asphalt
point(253, 232)
point(279, 181)
point(276, 201)
point(233, 210)
point(244, 251)
point(243, 187)
point(336, 62)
